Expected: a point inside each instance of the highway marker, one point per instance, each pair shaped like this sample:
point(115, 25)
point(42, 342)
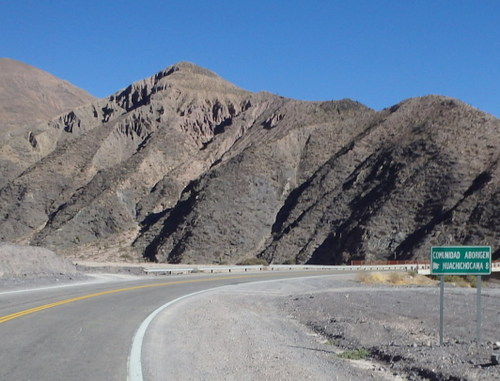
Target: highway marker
point(460, 260)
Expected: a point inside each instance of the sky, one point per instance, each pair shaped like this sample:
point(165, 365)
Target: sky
point(377, 52)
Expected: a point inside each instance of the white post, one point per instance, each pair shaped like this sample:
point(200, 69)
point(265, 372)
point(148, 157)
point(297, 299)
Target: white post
point(478, 311)
point(441, 309)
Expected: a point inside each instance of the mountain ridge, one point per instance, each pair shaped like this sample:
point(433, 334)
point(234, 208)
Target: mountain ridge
point(183, 166)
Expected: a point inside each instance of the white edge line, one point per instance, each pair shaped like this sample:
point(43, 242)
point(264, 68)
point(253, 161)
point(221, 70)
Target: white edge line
point(134, 359)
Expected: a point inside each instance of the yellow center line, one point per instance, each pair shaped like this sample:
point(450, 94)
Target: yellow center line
point(15, 315)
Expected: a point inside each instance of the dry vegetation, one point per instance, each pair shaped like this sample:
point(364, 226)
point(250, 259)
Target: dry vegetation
point(395, 278)
point(411, 278)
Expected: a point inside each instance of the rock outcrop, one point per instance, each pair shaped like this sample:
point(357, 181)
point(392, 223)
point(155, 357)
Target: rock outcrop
point(186, 167)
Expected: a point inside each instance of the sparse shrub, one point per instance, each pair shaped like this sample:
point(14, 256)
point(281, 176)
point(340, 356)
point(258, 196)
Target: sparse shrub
point(332, 342)
point(126, 257)
point(356, 354)
point(289, 261)
point(252, 262)
point(412, 273)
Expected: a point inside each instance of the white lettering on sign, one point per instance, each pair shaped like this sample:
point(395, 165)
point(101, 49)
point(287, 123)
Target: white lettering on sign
point(478, 266)
point(477, 255)
point(446, 255)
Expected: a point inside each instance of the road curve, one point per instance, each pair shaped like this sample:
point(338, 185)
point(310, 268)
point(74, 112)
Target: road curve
point(84, 332)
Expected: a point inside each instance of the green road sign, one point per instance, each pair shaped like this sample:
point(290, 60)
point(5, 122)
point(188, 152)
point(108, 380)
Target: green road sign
point(461, 260)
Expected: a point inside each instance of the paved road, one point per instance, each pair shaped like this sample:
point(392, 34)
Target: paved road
point(85, 332)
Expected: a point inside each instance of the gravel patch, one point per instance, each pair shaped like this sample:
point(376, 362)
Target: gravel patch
point(31, 266)
point(17, 261)
point(400, 327)
point(298, 329)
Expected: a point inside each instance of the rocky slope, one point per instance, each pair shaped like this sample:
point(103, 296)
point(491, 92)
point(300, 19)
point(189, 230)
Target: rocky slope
point(186, 167)
point(423, 173)
point(28, 97)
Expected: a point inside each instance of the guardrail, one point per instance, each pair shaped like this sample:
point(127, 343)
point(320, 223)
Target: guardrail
point(236, 268)
point(421, 268)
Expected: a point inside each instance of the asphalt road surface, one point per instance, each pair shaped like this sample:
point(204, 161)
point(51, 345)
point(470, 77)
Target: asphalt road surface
point(85, 331)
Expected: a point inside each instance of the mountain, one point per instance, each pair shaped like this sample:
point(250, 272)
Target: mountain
point(186, 167)
point(29, 96)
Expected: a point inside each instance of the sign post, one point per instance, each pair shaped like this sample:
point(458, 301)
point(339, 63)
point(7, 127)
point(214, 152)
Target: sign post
point(441, 309)
point(478, 308)
point(460, 260)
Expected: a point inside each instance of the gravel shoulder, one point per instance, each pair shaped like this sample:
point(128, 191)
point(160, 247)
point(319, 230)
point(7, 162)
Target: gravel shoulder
point(297, 329)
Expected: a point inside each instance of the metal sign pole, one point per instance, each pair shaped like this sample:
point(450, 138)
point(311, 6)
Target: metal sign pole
point(478, 312)
point(441, 309)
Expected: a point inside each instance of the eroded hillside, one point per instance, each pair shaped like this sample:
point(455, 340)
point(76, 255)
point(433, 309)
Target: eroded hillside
point(186, 167)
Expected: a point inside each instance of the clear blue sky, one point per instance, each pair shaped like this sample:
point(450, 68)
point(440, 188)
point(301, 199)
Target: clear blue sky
point(374, 51)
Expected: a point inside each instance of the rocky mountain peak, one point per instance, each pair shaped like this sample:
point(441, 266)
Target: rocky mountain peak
point(183, 166)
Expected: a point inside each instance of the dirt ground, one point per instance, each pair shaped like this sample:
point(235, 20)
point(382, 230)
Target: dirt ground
point(304, 329)
point(399, 326)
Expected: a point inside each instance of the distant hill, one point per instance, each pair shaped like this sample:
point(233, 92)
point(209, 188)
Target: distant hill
point(186, 167)
point(29, 96)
